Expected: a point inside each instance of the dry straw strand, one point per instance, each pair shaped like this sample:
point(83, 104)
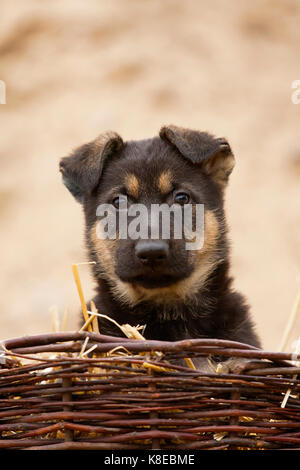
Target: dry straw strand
point(289, 391)
point(290, 323)
point(54, 318)
point(88, 322)
point(65, 320)
point(80, 293)
point(95, 320)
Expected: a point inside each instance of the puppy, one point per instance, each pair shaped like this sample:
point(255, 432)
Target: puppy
point(176, 292)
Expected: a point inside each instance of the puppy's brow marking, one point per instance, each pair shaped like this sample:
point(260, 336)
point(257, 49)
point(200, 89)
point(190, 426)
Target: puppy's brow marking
point(132, 185)
point(165, 182)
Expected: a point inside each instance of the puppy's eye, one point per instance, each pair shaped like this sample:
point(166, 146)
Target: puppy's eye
point(182, 198)
point(120, 202)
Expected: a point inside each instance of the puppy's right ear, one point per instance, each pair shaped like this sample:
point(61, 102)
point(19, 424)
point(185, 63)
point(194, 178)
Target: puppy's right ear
point(82, 169)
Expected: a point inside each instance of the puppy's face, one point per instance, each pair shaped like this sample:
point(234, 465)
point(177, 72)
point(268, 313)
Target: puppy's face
point(149, 263)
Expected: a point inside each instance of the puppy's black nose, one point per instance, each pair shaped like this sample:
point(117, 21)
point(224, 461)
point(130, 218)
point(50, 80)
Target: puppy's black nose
point(151, 251)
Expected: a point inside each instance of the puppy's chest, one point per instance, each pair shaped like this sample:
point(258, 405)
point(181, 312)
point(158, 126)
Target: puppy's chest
point(158, 325)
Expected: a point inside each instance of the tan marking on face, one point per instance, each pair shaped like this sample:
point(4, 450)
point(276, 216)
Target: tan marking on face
point(104, 250)
point(165, 182)
point(132, 185)
point(206, 258)
point(211, 233)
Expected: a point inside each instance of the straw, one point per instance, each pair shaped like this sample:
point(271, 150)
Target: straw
point(54, 318)
point(88, 322)
point(94, 318)
point(64, 320)
point(80, 293)
point(290, 323)
point(297, 363)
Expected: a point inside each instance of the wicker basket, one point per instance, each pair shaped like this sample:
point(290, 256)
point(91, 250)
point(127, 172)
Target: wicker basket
point(130, 394)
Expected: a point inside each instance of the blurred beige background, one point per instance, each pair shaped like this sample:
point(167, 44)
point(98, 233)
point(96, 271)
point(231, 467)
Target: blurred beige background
point(75, 69)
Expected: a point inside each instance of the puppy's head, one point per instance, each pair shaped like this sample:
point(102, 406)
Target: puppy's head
point(179, 170)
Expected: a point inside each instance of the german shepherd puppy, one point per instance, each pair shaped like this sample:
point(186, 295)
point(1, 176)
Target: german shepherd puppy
point(177, 293)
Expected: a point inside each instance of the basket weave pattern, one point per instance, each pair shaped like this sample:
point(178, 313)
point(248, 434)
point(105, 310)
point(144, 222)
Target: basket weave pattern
point(130, 394)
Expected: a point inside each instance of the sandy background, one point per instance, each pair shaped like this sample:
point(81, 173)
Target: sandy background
point(74, 69)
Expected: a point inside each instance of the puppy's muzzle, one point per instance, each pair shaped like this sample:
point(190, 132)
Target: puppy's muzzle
point(152, 252)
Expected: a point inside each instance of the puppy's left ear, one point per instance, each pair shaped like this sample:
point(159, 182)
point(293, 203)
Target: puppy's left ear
point(81, 171)
point(212, 154)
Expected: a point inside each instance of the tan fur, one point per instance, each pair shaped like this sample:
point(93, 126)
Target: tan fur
point(205, 261)
point(165, 182)
point(132, 185)
point(110, 140)
point(220, 167)
point(104, 250)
